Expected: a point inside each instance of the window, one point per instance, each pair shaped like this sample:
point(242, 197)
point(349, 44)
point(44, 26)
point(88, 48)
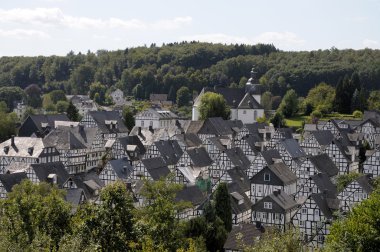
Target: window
point(302, 223)
point(321, 238)
point(316, 212)
point(304, 210)
point(244, 112)
point(266, 177)
point(268, 205)
point(142, 123)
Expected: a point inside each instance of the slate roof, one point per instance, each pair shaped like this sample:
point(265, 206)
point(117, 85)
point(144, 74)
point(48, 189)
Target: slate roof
point(253, 128)
point(323, 182)
point(189, 139)
point(9, 180)
point(324, 164)
point(283, 172)
point(64, 139)
point(73, 196)
point(199, 157)
point(89, 182)
point(283, 200)
point(170, 151)
point(326, 203)
point(366, 183)
point(293, 148)
point(194, 127)
point(215, 126)
point(43, 170)
point(249, 234)
point(248, 102)
point(156, 167)
point(269, 155)
point(121, 167)
point(21, 146)
point(132, 140)
point(323, 137)
point(48, 120)
point(238, 158)
point(234, 189)
point(253, 141)
point(232, 95)
point(239, 177)
point(148, 137)
point(191, 194)
point(100, 117)
point(286, 133)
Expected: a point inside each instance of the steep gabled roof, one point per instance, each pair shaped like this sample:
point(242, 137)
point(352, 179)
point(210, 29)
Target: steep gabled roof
point(232, 95)
point(238, 158)
point(169, 150)
point(365, 183)
point(9, 180)
point(191, 194)
point(248, 102)
point(249, 234)
point(293, 148)
point(236, 194)
point(323, 182)
point(283, 200)
point(132, 140)
point(74, 195)
point(156, 167)
point(215, 126)
point(121, 167)
point(270, 155)
point(89, 182)
point(63, 139)
point(326, 203)
point(283, 172)
point(239, 177)
point(189, 139)
point(323, 137)
point(199, 157)
point(324, 164)
point(102, 117)
point(43, 170)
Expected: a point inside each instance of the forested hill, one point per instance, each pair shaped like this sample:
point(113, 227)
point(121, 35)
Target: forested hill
point(143, 70)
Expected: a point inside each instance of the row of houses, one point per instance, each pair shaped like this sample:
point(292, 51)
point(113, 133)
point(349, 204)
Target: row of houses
point(275, 178)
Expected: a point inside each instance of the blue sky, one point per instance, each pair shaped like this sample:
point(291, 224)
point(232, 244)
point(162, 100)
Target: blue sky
point(46, 27)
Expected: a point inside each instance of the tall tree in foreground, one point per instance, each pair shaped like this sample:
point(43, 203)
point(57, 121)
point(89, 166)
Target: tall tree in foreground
point(360, 231)
point(34, 216)
point(213, 105)
point(222, 205)
point(183, 96)
point(72, 112)
point(129, 118)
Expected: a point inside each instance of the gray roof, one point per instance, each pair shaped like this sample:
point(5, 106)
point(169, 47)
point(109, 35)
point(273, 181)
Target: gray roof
point(147, 136)
point(270, 155)
point(189, 139)
point(215, 126)
point(191, 194)
point(238, 158)
point(323, 137)
point(73, 196)
point(63, 139)
point(323, 182)
point(9, 180)
point(324, 164)
point(89, 182)
point(170, 151)
point(101, 118)
point(365, 182)
point(132, 140)
point(121, 167)
point(235, 190)
point(239, 177)
point(254, 127)
point(283, 200)
point(283, 172)
point(249, 234)
point(21, 146)
point(43, 170)
point(199, 157)
point(248, 102)
point(194, 127)
point(156, 167)
point(220, 142)
point(327, 204)
point(39, 120)
point(293, 148)
point(233, 96)
point(286, 133)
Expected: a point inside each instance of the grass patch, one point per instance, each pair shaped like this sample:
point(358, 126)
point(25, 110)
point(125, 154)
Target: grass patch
point(296, 121)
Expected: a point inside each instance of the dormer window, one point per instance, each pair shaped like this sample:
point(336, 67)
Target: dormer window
point(266, 177)
point(6, 149)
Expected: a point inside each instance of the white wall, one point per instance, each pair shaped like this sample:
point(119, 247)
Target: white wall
point(249, 115)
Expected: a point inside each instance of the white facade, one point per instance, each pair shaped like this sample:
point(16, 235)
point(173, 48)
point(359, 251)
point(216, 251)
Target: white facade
point(155, 119)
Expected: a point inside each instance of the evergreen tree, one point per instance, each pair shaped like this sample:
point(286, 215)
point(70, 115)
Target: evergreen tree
point(128, 116)
point(72, 112)
point(223, 205)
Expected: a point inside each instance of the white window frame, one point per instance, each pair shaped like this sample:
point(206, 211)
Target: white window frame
point(267, 205)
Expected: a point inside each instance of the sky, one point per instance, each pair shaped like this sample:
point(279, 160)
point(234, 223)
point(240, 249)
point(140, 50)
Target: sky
point(56, 27)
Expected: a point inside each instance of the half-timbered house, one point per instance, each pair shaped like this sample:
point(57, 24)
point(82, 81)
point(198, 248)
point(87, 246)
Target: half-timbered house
point(117, 169)
point(279, 134)
point(28, 150)
point(370, 130)
point(263, 159)
point(196, 197)
point(151, 168)
point(317, 183)
point(355, 192)
point(243, 235)
point(291, 152)
point(241, 205)
point(54, 173)
point(39, 125)
point(317, 142)
point(372, 163)
point(273, 177)
point(275, 209)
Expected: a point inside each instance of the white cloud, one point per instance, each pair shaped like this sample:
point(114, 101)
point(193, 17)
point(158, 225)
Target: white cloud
point(371, 43)
point(22, 34)
point(55, 17)
point(283, 40)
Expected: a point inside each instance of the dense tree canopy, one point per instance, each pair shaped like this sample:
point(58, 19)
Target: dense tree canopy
point(213, 105)
point(289, 104)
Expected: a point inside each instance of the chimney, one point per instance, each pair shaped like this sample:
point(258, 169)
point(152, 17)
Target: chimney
point(139, 131)
point(13, 140)
point(275, 193)
point(6, 149)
